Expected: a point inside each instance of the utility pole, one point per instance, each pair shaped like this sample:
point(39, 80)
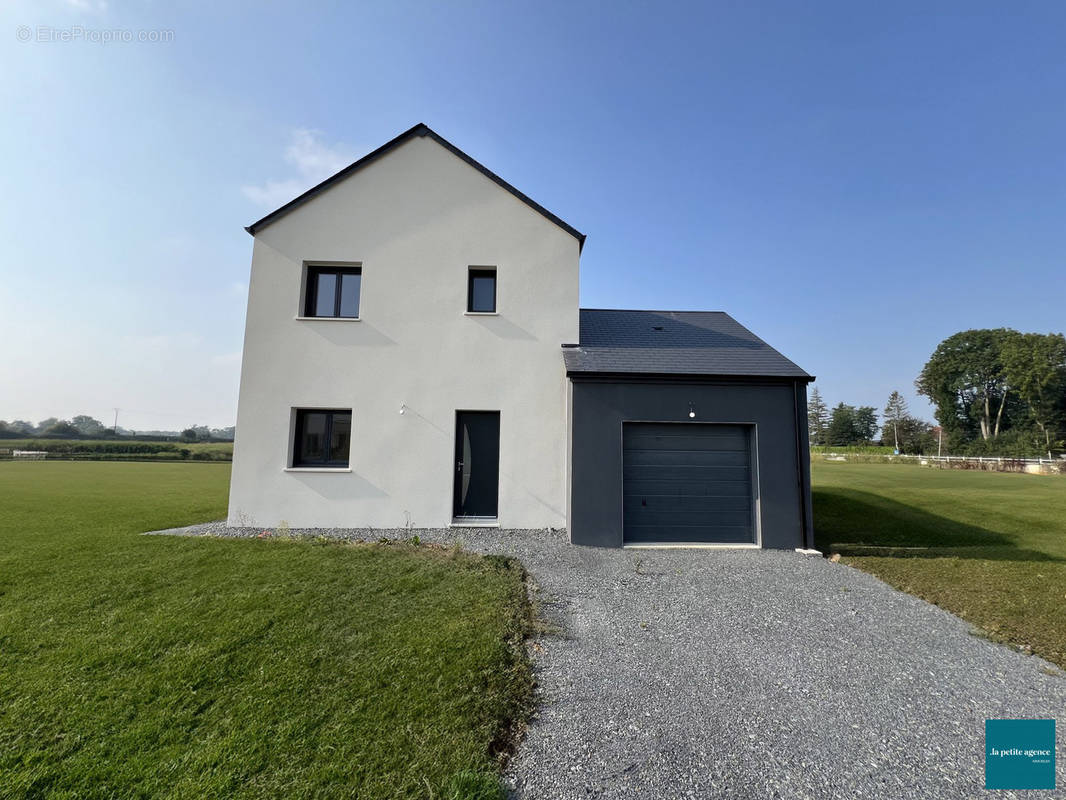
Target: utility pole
point(115, 429)
point(940, 442)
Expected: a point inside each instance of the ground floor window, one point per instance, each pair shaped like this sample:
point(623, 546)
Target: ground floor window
point(323, 437)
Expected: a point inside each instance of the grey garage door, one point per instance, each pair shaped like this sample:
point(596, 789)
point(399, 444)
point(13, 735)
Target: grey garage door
point(686, 482)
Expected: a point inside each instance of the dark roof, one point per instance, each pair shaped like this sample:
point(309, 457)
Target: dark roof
point(672, 343)
point(418, 130)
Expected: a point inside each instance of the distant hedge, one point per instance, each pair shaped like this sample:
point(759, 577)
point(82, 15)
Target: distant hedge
point(857, 449)
point(108, 450)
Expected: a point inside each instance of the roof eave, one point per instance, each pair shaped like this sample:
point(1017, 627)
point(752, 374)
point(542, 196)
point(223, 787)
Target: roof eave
point(622, 375)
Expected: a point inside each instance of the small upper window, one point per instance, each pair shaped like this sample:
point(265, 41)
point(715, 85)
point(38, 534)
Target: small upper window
point(333, 292)
point(323, 438)
point(481, 291)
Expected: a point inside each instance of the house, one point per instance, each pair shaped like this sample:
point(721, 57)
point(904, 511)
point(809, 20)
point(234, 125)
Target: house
point(415, 357)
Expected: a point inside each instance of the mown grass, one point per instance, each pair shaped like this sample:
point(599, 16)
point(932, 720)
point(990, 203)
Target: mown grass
point(989, 547)
point(137, 666)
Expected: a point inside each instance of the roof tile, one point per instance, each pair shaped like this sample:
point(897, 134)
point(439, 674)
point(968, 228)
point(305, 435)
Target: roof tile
point(672, 343)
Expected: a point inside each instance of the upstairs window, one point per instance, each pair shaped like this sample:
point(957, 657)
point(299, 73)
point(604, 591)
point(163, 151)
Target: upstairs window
point(323, 438)
point(481, 290)
point(333, 292)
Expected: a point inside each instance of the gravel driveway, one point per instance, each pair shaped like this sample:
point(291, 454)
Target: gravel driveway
point(754, 674)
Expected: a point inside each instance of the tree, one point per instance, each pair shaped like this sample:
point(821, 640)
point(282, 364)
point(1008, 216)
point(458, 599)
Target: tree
point(1035, 366)
point(895, 412)
point(841, 430)
point(60, 428)
point(196, 433)
point(22, 427)
point(817, 417)
point(45, 424)
point(87, 426)
point(849, 425)
point(916, 437)
point(865, 421)
point(967, 383)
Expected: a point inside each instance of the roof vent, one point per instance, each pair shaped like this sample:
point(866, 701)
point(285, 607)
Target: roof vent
point(657, 327)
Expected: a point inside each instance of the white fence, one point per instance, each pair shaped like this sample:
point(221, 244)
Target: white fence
point(1036, 466)
point(989, 459)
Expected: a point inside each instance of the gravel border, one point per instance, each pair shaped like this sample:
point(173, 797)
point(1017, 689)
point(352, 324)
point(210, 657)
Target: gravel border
point(744, 674)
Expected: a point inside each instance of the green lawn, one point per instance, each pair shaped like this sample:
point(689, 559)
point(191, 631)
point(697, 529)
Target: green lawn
point(989, 547)
point(136, 666)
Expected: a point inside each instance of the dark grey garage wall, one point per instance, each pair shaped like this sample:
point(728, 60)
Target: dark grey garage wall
point(600, 405)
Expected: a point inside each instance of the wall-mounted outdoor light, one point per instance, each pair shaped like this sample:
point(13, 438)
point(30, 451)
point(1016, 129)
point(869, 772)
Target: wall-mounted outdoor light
point(691, 411)
point(403, 408)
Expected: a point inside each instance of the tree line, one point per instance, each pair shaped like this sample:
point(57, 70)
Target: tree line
point(83, 426)
point(996, 392)
point(847, 426)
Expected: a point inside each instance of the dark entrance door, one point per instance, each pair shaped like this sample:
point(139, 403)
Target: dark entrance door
point(477, 464)
point(687, 482)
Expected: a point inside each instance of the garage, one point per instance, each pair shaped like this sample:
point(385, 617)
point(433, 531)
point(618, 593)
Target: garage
point(684, 429)
point(687, 482)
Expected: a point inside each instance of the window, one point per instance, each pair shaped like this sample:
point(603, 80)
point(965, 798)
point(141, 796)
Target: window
point(323, 438)
point(332, 292)
point(481, 291)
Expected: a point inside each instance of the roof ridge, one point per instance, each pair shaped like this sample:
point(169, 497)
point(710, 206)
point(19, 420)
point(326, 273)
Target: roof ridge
point(658, 310)
point(421, 129)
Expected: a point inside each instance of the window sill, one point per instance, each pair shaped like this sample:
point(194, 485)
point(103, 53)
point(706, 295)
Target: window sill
point(329, 319)
point(474, 523)
point(318, 469)
point(481, 313)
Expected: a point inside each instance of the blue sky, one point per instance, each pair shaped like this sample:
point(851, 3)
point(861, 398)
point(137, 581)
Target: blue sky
point(852, 181)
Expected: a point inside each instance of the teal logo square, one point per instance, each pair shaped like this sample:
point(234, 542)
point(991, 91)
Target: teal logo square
point(1019, 754)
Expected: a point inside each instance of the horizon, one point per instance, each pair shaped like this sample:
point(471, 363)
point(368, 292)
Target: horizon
point(853, 185)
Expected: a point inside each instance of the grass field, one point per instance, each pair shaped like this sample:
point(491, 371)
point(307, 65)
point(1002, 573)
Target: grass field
point(134, 666)
point(138, 666)
point(989, 547)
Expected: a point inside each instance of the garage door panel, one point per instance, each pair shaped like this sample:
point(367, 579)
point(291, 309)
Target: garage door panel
point(734, 439)
point(687, 483)
point(669, 517)
point(709, 534)
point(683, 472)
point(686, 488)
point(698, 458)
point(707, 503)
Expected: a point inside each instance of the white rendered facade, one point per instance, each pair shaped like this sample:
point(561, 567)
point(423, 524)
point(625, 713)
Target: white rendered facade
point(415, 220)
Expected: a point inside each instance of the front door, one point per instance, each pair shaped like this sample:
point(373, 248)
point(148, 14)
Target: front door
point(477, 464)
